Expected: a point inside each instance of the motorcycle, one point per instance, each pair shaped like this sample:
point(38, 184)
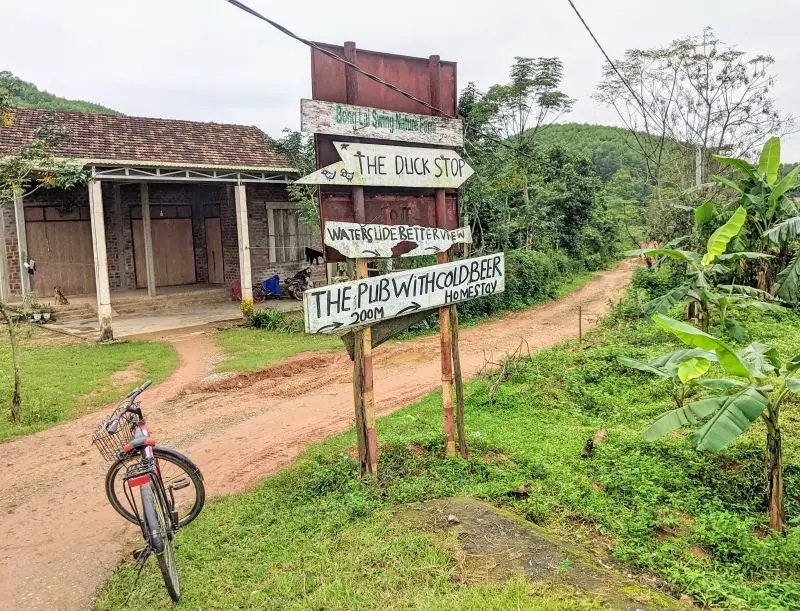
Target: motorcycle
point(298, 283)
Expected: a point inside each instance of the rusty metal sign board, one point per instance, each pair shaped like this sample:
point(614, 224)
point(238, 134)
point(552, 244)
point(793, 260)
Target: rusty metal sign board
point(365, 241)
point(362, 302)
point(339, 119)
point(380, 165)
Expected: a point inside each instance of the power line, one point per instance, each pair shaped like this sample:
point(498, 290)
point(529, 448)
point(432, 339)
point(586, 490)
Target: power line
point(611, 62)
point(333, 55)
point(369, 75)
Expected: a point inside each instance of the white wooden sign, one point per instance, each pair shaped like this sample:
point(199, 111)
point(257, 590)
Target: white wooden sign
point(380, 165)
point(355, 240)
point(365, 122)
point(360, 302)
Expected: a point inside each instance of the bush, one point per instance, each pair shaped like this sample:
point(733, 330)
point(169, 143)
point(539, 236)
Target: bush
point(270, 319)
point(531, 277)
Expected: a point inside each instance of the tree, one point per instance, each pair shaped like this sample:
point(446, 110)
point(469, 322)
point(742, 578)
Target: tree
point(773, 219)
point(299, 149)
point(514, 112)
point(704, 274)
point(697, 92)
point(758, 385)
point(23, 171)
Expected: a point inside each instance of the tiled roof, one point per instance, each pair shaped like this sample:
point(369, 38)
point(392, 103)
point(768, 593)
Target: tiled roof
point(151, 142)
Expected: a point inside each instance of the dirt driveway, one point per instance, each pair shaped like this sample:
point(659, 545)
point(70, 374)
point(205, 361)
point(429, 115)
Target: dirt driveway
point(59, 538)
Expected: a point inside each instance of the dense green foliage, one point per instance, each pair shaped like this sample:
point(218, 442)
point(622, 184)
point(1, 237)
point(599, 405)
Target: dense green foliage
point(64, 382)
point(609, 148)
point(315, 536)
point(27, 95)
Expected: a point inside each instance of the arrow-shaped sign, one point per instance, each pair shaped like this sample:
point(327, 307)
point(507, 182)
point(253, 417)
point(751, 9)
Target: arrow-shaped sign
point(380, 165)
point(356, 241)
point(336, 307)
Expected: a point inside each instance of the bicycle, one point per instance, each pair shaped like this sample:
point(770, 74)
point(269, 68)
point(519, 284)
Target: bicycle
point(170, 486)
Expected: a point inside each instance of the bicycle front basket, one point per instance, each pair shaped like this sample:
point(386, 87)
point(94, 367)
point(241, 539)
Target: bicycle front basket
point(110, 445)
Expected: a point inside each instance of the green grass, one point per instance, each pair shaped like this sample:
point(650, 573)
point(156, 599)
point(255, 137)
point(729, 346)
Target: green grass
point(64, 382)
point(314, 537)
point(251, 349)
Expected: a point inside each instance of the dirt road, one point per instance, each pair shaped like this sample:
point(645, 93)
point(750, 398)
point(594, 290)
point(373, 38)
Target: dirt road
point(59, 538)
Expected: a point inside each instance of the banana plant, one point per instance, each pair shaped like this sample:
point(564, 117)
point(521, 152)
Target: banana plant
point(681, 367)
point(705, 271)
point(756, 385)
point(773, 219)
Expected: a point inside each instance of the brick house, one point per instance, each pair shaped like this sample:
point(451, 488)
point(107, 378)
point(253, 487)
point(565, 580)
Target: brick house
point(169, 203)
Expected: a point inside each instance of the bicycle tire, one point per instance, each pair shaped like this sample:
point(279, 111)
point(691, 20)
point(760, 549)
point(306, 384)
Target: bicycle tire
point(159, 527)
point(121, 505)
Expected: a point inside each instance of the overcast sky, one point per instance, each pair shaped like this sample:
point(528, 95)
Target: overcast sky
point(206, 60)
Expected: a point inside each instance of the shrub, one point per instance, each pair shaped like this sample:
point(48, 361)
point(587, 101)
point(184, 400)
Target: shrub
point(268, 319)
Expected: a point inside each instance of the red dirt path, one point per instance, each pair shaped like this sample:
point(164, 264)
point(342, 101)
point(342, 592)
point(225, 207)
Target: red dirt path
point(59, 538)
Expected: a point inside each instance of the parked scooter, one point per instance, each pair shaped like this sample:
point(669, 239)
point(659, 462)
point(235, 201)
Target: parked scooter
point(298, 283)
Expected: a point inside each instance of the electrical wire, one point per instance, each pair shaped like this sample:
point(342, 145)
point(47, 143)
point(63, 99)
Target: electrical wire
point(333, 55)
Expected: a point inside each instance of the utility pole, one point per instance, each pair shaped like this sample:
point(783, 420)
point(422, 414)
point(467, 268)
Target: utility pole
point(698, 166)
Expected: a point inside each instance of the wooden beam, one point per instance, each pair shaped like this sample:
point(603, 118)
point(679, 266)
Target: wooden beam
point(243, 230)
point(144, 194)
point(100, 260)
point(22, 244)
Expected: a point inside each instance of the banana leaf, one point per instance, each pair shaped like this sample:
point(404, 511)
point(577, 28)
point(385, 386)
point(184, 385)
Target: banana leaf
point(728, 359)
point(770, 160)
point(718, 242)
point(735, 414)
point(688, 415)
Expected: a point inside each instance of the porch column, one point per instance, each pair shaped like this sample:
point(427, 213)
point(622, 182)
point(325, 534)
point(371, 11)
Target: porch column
point(245, 272)
point(22, 244)
point(148, 239)
point(100, 260)
point(5, 288)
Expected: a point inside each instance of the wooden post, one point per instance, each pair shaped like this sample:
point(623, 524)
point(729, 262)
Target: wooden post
point(580, 324)
point(144, 195)
point(22, 244)
point(100, 260)
point(243, 231)
point(362, 363)
point(445, 329)
point(463, 448)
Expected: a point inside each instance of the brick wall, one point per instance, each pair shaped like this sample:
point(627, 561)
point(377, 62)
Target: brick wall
point(117, 202)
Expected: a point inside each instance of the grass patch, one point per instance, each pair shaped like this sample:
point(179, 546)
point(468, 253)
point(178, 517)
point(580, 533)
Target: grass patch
point(64, 382)
point(314, 537)
point(253, 349)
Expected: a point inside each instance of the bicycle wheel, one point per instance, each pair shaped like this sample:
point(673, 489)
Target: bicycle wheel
point(181, 478)
point(159, 532)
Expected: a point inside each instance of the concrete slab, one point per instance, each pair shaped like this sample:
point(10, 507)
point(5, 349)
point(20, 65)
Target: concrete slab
point(127, 325)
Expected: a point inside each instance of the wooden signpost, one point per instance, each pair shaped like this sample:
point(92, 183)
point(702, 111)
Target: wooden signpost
point(380, 165)
point(318, 117)
point(388, 221)
point(336, 307)
point(384, 241)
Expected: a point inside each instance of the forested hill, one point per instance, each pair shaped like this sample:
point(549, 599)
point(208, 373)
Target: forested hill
point(609, 148)
point(27, 95)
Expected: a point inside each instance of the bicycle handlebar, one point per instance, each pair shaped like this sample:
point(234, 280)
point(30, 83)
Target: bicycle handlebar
point(112, 422)
point(139, 390)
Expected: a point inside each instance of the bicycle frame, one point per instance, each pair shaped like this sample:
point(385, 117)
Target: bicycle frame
point(148, 471)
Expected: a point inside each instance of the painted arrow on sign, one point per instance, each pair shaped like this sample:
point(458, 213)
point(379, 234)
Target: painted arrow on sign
point(380, 165)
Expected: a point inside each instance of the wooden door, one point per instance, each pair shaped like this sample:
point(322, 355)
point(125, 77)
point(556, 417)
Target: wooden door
point(64, 257)
point(216, 271)
point(173, 252)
